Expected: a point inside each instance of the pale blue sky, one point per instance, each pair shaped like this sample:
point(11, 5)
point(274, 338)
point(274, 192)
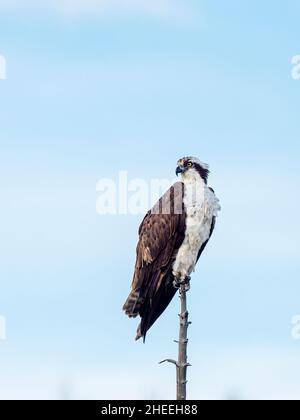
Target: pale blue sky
point(94, 92)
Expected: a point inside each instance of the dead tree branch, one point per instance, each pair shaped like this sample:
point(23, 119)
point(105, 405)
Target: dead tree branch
point(182, 362)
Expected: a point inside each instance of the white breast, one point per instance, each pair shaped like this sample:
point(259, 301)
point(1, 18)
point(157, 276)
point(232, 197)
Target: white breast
point(201, 205)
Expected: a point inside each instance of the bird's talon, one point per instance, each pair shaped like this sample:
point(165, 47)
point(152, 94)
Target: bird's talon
point(187, 287)
point(177, 283)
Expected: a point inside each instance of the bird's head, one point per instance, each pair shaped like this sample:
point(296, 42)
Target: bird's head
point(192, 167)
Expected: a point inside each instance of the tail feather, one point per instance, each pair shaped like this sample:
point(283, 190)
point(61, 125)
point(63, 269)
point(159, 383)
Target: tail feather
point(133, 304)
point(139, 333)
point(149, 308)
point(153, 308)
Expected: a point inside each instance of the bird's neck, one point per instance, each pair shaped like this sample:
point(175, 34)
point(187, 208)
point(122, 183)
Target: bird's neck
point(192, 177)
point(194, 189)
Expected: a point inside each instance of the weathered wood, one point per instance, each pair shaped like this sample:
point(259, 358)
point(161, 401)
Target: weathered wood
point(182, 362)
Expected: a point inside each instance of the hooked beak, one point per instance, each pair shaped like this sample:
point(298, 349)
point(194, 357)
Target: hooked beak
point(180, 170)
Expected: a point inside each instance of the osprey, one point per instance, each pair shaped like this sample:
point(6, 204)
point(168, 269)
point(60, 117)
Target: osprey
point(172, 238)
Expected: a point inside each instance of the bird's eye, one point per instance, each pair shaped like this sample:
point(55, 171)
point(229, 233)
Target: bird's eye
point(190, 164)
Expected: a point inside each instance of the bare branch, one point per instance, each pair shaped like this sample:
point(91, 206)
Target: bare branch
point(182, 363)
point(168, 361)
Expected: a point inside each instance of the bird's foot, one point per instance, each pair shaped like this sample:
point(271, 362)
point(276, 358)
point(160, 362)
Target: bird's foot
point(177, 283)
point(186, 284)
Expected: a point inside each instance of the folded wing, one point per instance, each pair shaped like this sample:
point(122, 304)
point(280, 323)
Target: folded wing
point(160, 236)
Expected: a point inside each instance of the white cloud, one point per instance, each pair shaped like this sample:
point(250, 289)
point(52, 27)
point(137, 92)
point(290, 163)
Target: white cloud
point(75, 8)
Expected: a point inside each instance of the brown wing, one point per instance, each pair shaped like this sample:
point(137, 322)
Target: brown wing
point(160, 236)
